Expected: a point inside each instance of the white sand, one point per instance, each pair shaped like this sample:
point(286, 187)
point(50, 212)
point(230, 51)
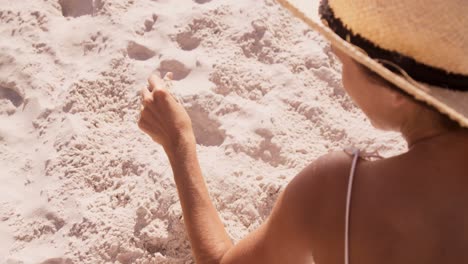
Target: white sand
point(81, 184)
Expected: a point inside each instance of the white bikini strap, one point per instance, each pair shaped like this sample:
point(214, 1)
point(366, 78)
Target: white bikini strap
point(348, 203)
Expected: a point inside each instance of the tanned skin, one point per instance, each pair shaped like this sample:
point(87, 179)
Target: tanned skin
point(409, 208)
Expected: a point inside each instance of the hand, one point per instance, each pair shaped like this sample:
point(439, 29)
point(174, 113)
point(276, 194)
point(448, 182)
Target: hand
point(162, 117)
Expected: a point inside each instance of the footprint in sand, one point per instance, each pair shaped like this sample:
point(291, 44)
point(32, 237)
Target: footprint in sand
point(202, 1)
point(187, 41)
point(76, 8)
point(12, 95)
point(179, 70)
point(57, 261)
point(139, 52)
point(207, 130)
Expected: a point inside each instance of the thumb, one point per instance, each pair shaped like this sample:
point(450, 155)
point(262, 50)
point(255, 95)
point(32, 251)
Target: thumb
point(169, 76)
point(155, 83)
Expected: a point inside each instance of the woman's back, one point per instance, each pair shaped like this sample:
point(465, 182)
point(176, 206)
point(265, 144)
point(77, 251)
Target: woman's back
point(407, 209)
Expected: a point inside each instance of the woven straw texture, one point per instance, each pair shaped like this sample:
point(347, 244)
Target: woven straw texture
point(454, 52)
point(433, 32)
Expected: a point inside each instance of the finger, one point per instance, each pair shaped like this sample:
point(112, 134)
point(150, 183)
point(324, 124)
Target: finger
point(151, 131)
point(148, 115)
point(168, 85)
point(160, 90)
point(152, 123)
point(147, 126)
point(169, 76)
point(152, 114)
point(142, 113)
point(155, 82)
point(146, 96)
point(139, 113)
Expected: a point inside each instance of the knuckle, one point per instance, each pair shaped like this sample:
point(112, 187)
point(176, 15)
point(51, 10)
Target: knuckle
point(140, 125)
point(140, 122)
point(143, 127)
point(144, 115)
point(150, 79)
point(147, 101)
point(163, 94)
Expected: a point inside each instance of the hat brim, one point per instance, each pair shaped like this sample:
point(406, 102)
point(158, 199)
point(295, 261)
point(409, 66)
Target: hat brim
point(452, 103)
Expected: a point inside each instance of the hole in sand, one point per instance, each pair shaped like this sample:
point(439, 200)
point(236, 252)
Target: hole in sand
point(76, 8)
point(57, 261)
point(179, 70)
point(139, 52)
point(187, 41)
point(207, 131)
point(268, 151)
point(12, 95)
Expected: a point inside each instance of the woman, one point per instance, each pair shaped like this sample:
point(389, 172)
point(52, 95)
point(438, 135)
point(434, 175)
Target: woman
point(405, 65)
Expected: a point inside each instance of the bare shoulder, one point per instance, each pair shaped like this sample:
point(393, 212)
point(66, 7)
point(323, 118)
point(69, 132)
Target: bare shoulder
point(323, 176)
point(321, 189)
point(302, 214)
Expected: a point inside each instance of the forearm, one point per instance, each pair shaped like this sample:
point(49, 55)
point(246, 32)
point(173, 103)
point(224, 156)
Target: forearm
point(206, 232)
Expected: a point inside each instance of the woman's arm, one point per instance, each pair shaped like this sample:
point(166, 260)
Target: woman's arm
point(283, 238)
point(206, 232)
point(168, 124)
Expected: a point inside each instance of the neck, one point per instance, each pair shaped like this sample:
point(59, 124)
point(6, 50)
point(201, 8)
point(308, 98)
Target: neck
point(415, 136)
point(424, 132)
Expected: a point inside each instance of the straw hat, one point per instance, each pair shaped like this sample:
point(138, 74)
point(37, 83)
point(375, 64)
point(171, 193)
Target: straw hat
point(420, 46)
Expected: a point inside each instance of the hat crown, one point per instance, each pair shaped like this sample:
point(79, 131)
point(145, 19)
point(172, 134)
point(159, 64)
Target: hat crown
point(432, 32)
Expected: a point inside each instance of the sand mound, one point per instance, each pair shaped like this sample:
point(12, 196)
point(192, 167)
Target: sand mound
point(81, 183)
